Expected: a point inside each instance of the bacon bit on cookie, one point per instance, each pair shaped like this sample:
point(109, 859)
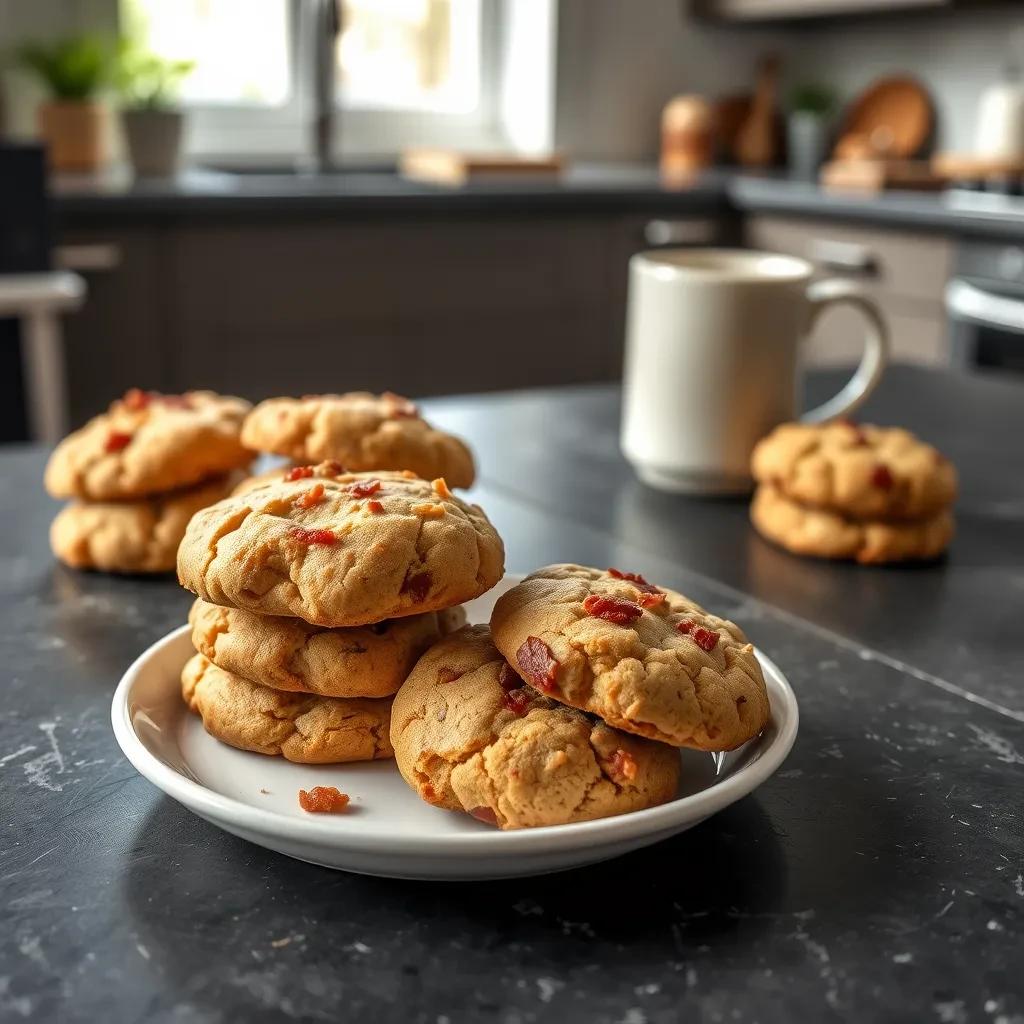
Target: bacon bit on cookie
point(636, 579)
point(448, 675)
point(401, 407)
point(135, 399)
point(612, 609)
point(117, 440)
point(375, 506)
point(537, 664)
point(408, 474)
point(440, 486)
point(651, 600)
point(298, 473)
point(307, 499)
point(706, 639)
point(860, 439)
point(323, 800)
point(428, 510)
point(622, 766)
point(417, 586)
point(484, 814)
point(304, 536)
point(881, 477)
point(508, 678)
point(364, 488)
point(517, 701)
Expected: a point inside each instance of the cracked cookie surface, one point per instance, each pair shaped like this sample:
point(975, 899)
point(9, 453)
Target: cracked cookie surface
point(286, 653)
point(859, 471)
point(470, 735)
point(643, 658)
point(360, 430)
point(809, 531)
point(302, 728)
point(140, 536)
point(342, 549)
point(146, 444)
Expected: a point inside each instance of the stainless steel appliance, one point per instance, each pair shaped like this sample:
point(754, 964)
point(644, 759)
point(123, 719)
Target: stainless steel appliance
point(985, 304)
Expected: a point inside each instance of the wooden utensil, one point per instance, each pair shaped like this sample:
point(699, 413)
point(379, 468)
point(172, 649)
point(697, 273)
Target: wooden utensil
point(757, 142)
point(731, 112)
point(891, 118)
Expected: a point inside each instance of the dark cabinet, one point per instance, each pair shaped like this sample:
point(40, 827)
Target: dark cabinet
point(423, 306)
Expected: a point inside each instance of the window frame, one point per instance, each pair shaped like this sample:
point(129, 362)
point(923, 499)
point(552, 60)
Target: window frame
point(247, 134)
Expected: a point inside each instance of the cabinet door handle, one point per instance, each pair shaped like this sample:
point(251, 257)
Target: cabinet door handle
point(692, 231)
point(844, 257)
point(89, 257)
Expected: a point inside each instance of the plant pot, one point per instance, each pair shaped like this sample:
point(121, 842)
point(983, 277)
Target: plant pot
point(807, 143)
point(74, 132)
point(154, 141)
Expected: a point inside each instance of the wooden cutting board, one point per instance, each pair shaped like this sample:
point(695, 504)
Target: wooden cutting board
point(879, 175)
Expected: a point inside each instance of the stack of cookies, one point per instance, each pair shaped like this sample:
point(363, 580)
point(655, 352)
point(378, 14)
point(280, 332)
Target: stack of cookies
point(359, 431)
point(574, 702)
point(852, 491)
point(317, 593)
point(138, 472)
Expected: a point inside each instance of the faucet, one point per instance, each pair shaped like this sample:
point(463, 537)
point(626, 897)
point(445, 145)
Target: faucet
point(325, 20)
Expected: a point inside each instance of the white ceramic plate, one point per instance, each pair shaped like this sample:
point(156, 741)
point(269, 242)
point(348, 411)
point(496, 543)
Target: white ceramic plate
point(387, 829)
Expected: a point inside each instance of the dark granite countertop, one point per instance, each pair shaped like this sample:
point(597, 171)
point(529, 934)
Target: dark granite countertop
point(584, 189)
point(879, 876)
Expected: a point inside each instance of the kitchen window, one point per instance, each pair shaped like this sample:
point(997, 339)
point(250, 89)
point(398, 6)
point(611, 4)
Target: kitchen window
point(406, 72)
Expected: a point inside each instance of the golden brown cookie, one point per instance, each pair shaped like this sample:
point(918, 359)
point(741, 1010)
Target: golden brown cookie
point(302, 728)
point(643, 658)
point(859, 471)
point(361, 431)
point(146, 444)
point(288, 654)
point(341, 550)
point(810, 531)
point(139, 536)
point(470, 735)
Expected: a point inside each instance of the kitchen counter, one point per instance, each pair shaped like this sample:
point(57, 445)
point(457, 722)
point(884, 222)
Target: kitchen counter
point(584, 189)
point(878, 876)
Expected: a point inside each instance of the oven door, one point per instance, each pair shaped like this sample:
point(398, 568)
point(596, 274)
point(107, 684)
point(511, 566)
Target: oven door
point(986, 324)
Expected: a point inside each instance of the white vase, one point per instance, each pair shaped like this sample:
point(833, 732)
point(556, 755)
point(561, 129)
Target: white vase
point(154, 141)
point(807, 138)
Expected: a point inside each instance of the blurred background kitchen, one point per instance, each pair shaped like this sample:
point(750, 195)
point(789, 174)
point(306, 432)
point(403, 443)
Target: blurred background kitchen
point(439, 196)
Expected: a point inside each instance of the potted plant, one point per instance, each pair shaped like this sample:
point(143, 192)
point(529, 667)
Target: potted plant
point(72, 123)
point(148, 86)
point(807, 128)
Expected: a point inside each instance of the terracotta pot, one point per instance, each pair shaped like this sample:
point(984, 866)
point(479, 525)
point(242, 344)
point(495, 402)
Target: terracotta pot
point(74, 132)
point(154, 141)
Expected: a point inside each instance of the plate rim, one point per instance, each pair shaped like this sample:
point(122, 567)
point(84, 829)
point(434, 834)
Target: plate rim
point(664, 818)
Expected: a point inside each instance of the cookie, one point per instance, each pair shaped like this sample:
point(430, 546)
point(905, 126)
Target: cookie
point(361, 431)
point(809, 531)
point(645, 659)
point(146, 444)
point(343, 549)
point(289, 654)
point(859, 471)
point(470, 735)
point(139, 536)
point(302, 728)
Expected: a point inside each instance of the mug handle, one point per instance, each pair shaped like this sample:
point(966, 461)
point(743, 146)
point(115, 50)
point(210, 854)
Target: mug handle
point(822, 294)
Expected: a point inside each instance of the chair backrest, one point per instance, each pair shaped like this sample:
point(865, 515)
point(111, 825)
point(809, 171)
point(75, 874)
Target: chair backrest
point(25, 247)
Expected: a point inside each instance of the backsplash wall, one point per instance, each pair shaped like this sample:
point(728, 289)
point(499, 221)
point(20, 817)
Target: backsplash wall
point(619, 63)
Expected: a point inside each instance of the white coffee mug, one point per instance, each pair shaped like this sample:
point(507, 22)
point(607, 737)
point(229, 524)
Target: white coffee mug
point(713, 339)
